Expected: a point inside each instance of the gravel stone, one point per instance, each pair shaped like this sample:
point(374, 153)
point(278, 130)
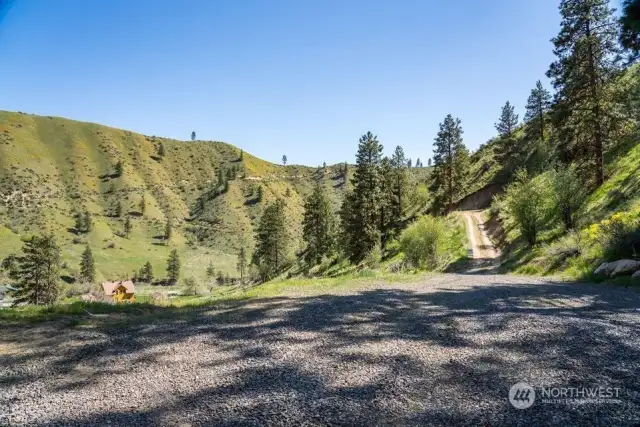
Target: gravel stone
point(444, 351)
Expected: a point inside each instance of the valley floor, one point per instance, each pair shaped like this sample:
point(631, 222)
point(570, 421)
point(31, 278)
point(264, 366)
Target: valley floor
point(444, 351)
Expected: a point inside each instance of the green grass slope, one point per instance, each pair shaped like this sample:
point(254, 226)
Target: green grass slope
point(51, 168)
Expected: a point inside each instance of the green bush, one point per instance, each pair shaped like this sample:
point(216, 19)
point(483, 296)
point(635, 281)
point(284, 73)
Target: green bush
point(568, 195)
point(422, 241)
point(526, 206)
point(190, 286)
point(619, 237)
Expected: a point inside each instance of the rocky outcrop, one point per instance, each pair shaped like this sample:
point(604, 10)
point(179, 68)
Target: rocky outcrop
point(618, 268)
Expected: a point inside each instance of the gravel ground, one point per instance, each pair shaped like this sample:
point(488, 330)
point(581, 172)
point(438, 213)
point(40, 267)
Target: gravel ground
point(441, 352)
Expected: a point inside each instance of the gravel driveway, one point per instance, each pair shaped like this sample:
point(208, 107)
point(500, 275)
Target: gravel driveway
point(441, 352)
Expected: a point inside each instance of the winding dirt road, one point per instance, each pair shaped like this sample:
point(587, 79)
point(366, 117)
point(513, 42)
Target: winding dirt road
point(484, 253)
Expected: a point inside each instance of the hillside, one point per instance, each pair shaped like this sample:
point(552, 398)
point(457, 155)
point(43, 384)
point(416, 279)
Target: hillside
point(52, 169)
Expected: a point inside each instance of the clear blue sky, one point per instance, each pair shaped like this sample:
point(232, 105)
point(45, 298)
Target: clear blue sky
point(301, 77)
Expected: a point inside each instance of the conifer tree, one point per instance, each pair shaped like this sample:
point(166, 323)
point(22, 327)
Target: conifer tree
point(260, 193)
point(147, 273)
point(210, 272)
point(630, 27)
point(318, 226)
point(88, 223)
point(173, 267)
point(386, 206)
point(418, 163)
point(37, 272)
point(160, 150)
point(241, 155)
point(272, 240)
point(79, 224)
point(143, 205)
point(538, 105)
point(167, 231)
point(284, 159)
point(242, 263)
point(118, 168)
point(449, 155)
point(409, 164)
point(127, 226)
point(193, 135)
point(117, 212)
point(220, 278)
point(429, 162)
point(587, 57)
point(87, 266)
point(361, 214)
point(508, 122)
point(400, 183)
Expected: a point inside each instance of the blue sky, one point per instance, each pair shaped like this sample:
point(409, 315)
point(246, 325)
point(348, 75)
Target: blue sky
point(304, 78)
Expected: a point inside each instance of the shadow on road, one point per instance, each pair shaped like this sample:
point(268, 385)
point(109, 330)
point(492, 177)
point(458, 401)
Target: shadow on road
point(384, 357)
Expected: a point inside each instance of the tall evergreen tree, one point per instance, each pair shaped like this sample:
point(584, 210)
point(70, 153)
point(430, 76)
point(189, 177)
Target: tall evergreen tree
point(260, 193)
point(168, 230)
point(210, 271)
point(88, 223)
point(173, 267)
point(242, 263)
point(241, 155)
point(318, 225)
point(193, 135)
point(284, 159)
point(37, 273)
point(400, 183)
point(630, 27)
point(118, 168)
point(387, 207)
point(429, 162)
point(87, 266)
point(127, 226)
point(143, 205)
point(272, 240)
point(147, 273)
point(160, 150)
point(361, 214)
point(449, 155)
point(508, 122)
point(538, 105)
point(117, 211)
point(587, 57)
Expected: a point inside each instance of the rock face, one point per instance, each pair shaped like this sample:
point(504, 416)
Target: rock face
point(618, 268)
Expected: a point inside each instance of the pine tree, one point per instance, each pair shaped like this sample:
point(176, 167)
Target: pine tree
point(400, 183)
point(260, 193)
point(147, 273)
point(409, 163)
point(37, 272)
point(318, 226)
point(167, 232)
point(220, 278)
point(418, 163)
point(143, 205)
point(118, 168)
point(87, 266)
point(284, 159)
point(173, 267)
point(387, 205)
point(220, 177)
point(160, 150)
point(587, 57)
point(449, 155)
point(117, 212)
point(242, 262)
point(88, 223)
point(241, 155)
point(429, 162)
point(193, 135)
point(508, 122)
point(210, 271)
point(127, 226)
point(630, 27)
point(272, 240)
point(361, 214)
point(538, 105)
point(79, 224)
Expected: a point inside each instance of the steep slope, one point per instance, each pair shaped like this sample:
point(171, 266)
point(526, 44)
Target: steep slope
point(52, 169)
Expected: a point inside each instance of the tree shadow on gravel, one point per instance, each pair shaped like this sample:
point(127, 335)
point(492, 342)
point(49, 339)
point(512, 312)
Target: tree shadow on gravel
point(384, 356)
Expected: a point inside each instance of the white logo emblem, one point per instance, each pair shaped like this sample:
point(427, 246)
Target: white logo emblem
point(522, 395)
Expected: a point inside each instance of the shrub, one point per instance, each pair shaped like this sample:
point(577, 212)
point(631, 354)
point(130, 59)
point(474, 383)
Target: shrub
point(421, 241)
point(619, 236)
point(568, 195)
point(525, 205)
point(372, 259)
point(190, 286)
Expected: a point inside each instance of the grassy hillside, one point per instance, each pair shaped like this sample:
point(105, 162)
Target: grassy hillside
point(53, 168)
